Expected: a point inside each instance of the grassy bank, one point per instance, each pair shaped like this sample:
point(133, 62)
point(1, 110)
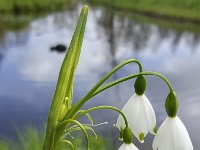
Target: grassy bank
point(182, 10)
point(178, 27)
point(32, 139)
point(18, 6)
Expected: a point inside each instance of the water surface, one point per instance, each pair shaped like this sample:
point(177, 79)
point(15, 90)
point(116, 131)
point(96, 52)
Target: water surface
point(29, 70)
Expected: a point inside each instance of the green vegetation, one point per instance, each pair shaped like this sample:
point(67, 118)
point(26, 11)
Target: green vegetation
point(32, 139)
point(162, 23)
point(170, 9)
point(16, 23)
point(18, 6)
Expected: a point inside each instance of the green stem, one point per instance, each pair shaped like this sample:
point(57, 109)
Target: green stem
point(81, 127)
point(63, 124)
point(131, 77)
point(68, 143)
point(77, 106)
point(76, 128)
point(102, 107)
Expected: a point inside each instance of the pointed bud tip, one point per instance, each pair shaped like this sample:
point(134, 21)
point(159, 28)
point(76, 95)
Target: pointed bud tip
point(85, 8)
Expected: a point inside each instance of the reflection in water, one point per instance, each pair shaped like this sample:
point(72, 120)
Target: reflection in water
point(29, 71)
point(59, 48)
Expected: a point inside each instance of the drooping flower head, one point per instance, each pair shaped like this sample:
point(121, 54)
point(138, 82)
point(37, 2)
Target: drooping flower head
point(172, 134)
point(128, 147)
point(127, 139)
point(139, 112)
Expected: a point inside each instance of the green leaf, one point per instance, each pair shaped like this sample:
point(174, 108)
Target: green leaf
point(65, 80)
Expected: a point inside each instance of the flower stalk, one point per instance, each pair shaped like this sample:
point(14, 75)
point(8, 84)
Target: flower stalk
point(118, 81)
point(88, 96)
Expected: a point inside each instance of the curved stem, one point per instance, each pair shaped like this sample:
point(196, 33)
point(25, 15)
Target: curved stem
point(81, 127)
point(76, 107)
point(67, 142)
point(131, 77)
point(88, 116)
point(87, 127)
point(85, 99)
point(102, 107)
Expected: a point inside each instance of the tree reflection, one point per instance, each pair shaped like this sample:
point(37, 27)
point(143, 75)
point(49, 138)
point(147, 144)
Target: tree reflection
point(121, 30)
point(119, 27)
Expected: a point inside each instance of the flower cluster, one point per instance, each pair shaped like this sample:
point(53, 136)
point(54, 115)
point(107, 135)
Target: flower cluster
point(136, 118)
point(172, 134)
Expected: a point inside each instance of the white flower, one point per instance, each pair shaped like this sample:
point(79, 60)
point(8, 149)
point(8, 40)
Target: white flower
point(172, 135)
point(140, 116)
point(128, 147)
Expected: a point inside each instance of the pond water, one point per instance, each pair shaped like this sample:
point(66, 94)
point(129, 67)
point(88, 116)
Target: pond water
point(29, 70)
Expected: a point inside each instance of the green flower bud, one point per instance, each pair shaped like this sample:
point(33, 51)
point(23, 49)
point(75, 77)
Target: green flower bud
point(171, 104)
point(127, 135)
point(63, 110)
point(140, 85)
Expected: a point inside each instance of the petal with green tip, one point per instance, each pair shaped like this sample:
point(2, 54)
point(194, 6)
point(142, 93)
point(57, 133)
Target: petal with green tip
point(140, 116)
point(172, 135)
point(128, 147)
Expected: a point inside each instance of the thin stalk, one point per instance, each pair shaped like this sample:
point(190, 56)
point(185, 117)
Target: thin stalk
point(77, 106)
point(81, 127)
point(62, 125)
point(102, 107)
point(97, 91)
point(68, 143)
point(131, 77)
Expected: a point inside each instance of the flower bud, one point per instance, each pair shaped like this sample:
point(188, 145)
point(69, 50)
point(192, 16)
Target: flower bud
point(171, 104)
point(63, 110)
point(140, 85)
point(127, 135)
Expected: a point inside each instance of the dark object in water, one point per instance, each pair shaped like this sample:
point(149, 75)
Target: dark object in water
point(59, 48)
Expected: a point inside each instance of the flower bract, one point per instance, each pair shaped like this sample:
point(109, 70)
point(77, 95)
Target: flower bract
point(140, 116)
point(172, 135)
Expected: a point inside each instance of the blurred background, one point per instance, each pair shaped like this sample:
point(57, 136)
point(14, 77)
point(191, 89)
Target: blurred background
point(163, 35)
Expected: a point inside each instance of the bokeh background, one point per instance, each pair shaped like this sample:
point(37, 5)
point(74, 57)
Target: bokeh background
point(163, 35)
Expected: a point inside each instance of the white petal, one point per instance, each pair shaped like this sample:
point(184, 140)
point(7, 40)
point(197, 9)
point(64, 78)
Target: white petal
point(149, 114)
point(128, 147)
point(172, 135)
point(140, 115)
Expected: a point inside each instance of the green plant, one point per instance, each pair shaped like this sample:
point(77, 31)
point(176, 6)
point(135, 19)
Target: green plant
point(137, 117)
point(32, 138)
point(24, 6)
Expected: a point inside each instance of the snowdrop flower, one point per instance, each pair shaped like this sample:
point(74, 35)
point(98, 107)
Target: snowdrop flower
point(127, 138)
point(128, 147)
point(172, 135)
point(139, 112)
